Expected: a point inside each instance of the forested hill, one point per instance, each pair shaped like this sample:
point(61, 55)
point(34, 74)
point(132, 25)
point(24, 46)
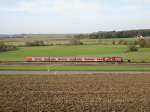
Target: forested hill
point(121, 34)
point(118, 34)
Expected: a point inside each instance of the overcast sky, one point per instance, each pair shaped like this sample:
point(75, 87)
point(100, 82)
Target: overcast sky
point(73, 16)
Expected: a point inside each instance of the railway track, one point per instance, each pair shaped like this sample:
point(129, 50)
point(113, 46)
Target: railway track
point(66, 63)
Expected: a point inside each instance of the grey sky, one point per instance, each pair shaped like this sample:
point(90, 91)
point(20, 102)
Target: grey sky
point(73, 16)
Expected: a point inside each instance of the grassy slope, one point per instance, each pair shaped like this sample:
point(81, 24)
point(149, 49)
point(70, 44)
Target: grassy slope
point(85, 50)
point(101, 68)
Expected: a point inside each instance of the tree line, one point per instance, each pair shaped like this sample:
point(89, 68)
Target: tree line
point(4, 47)
point(115, 34)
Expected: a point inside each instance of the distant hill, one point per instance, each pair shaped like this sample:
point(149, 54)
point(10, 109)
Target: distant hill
point(3, 35)
point(120, 34)
point(94, 35)
point(36, 35)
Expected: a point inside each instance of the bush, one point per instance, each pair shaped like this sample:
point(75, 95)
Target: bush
point(132, 48)
point(35, 43)
point(120, 42)
point(148, 43)
point(142, 43)
point(135, 42)
point(75, 42)
point(4, 47)
point(113, 42)
point(125, 43)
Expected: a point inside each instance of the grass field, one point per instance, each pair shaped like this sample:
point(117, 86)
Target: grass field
point(83, 50)
point(22, 41)
point(75, 93)
point(100, 68)
point(91, 48)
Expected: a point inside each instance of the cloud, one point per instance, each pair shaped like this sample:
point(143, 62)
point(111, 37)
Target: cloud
point(60, 7)
point(75, 15)
point(76, 7)
point(33, 6)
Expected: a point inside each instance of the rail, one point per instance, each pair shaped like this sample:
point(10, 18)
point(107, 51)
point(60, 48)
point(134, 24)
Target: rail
point(72, 63)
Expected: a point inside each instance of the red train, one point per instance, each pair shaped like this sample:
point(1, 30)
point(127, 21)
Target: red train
point(74, 59)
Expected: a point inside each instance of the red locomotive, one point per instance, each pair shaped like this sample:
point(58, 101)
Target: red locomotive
point(74, 59)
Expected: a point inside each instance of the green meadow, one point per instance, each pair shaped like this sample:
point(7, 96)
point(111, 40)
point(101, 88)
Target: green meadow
point(100, 68)
point(90, 48)
point(77, 51)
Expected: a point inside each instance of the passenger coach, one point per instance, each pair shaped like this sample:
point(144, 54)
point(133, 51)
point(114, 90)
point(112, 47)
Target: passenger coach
point(74, 59)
